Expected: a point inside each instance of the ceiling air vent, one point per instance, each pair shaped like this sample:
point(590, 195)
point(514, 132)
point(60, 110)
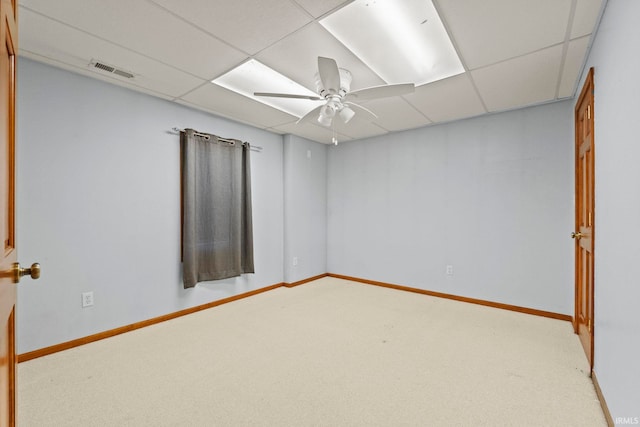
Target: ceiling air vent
point(123, 73)
point(109, 69)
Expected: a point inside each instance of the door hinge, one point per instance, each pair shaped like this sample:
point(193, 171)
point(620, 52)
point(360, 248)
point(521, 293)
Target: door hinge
point(589, 112)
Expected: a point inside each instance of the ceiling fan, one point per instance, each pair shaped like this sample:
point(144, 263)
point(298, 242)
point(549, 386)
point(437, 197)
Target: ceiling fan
point(333, 86)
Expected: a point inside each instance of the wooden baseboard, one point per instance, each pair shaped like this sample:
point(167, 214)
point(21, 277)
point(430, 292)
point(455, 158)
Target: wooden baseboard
point(458, 298)
point(117, 331)
point(121, 330)
point(603, 402)
point(302, 282)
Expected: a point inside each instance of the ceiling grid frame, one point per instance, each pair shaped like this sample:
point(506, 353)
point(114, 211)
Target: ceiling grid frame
point(438, 102)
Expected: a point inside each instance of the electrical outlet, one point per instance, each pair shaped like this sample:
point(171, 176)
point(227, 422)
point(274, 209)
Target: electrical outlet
point(295, 261)
point(87, 299)
point(449, 270)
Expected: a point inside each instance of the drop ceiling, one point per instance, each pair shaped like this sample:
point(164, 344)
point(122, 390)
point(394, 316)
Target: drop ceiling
point(515, 53)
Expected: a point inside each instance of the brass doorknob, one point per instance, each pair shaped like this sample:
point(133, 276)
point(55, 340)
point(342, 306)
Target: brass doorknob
point(18, 272)
point(575, 235)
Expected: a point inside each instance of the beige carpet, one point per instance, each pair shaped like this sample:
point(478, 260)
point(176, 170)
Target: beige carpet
point(328, 353)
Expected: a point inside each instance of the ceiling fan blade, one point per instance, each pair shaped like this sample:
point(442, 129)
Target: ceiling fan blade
point(368, 114)
point(310, 116)
point(382, 91)
point(288, 95)
point(329, 74)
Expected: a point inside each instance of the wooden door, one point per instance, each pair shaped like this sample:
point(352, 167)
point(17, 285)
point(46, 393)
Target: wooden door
point(9, 34)
point(584, 234)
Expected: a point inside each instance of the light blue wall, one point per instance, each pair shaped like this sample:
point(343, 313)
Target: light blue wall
point(616, 63)
point(98, 191)
point(491, 196)
point(305, 216)
point(98, 202)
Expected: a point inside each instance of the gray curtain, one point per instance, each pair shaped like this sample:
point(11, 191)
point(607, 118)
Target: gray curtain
point(217, 235)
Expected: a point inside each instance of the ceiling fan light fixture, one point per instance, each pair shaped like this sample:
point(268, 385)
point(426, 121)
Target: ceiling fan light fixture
point(327, 113)
point(328, 110)
point(346, 114)
point(324, 120)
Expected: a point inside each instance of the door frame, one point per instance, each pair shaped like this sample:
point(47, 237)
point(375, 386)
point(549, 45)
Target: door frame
point(587, 91)
point(8, 295)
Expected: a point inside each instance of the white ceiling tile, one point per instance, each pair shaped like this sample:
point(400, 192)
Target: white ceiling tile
point(175, 46)
point(232, 105)
point(216, 113)
point(109, 78)
point(395, 114)
point(526, 80)
point(573, 66)
point(297, 58)
point(312, 132)
point(490, 31)
point(358, 128)
point(248, 25)
point(446, 100)
point(584, 20)
point(146, 29)
point(319, 8)
point(77, 49)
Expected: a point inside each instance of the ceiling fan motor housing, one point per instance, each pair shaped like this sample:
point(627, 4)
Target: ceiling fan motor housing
point(345, 85)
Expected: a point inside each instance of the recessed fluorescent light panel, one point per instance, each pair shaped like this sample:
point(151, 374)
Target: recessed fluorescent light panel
point(253, 76)
point(404, 41)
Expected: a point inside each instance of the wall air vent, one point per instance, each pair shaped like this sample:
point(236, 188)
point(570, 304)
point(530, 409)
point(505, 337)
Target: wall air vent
point(109, 69)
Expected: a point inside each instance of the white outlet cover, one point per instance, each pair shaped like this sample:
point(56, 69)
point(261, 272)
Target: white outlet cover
point(87, 299)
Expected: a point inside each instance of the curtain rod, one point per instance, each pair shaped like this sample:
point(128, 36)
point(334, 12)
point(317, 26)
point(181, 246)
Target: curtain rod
point(251, 147)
